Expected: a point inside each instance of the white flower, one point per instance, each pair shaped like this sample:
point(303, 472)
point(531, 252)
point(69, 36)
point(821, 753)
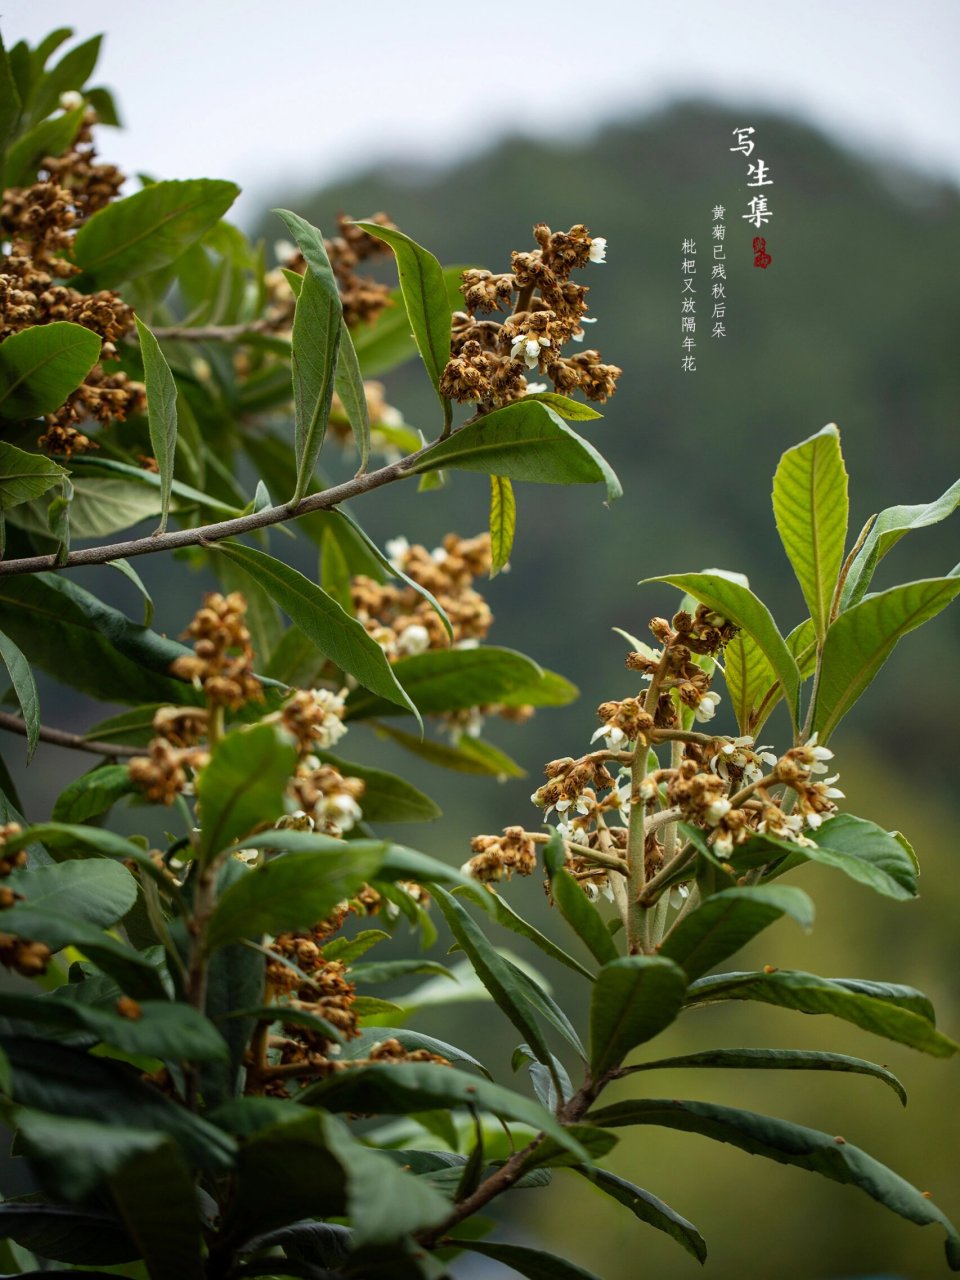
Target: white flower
point(820, 754)
point(470, 643)
point(390, 416)
point(723, 844)
point(591, 890)
point(527, 347)
point(679, 894)
point(615, 736)
point(707, 708)
point(598, 249)
point(285, 250)
point(331, 728)
point(714, 812)
point(70, 100)
point(415, 639)
point(438, 555)
point(397, 549)
point(535, 388)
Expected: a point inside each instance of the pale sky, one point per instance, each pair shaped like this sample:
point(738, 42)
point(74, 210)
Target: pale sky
point(302, 92)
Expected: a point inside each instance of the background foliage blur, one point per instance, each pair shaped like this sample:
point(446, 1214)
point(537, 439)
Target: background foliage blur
point(855, 322)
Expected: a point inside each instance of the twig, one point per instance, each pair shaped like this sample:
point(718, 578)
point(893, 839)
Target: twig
point(210, 533)
point(60, 738)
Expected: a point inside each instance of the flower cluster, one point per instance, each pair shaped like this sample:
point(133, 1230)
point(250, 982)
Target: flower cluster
point(222, 661)
point(490, 359)
point(326, 801)
point(37, 224)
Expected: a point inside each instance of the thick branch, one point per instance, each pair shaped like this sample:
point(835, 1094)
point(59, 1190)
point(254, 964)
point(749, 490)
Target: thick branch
point(209, 533)
point(60, 738)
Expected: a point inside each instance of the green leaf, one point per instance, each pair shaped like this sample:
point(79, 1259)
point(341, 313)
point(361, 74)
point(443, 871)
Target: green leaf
point(789, 1144)
point(9, 99)
point(634, 999)
point(863, 851)
point(338, 636)
point(350, 388)
point(648, 1208)
point(470, 755)
point(161, 1030)
point(243, 786)
point(293, 891)
point(776, 1060)
point(452, 679)
point(811, 506)
point(134, 236)
point(726, 921)
point(66, 1234)
point(24, 476)
point(388, 341)
point(334, 571)
point(532, 1263)
point(864, 636)
point(67, 1082)
point(161, 413)
point(505, 915)
point(575, 907)
point(424, 291)
point(887, 530)
point(523, 441)
point(92, 794)
point(572, 410)
point(25, 687)
point(503, 522)
point(496, 974)
point(157, 1200)
point(403, 1087)
point(95, 891)
point(126, 569)
point(40, 366)
point(48, 138)
point(148, 480)
point(749, 678)
point(897, 1013)
point(73, 1157)
point(71, 72)
point(111, 658)
point(739, 605)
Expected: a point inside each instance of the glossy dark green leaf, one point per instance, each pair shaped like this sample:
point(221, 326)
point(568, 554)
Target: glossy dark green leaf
point(810, 504)
point(886, 531)
point(726, 921)
point(386, 798)
point(25, 688)
point(864, 636)
point(157, 1199)
point(66, 1082)
point(532, 1263)
point(523, 441)
point(96, 891)
point(403, 1087)
point(505, 915)
point(73, 1157)
point(111, 657)
point(450, 680)
point(732, 600)
point(147, 230)
point(93, 793)
point(895, 1012)
point(793, 1144)
point(575, 907)
point(67, 1234)
point(863, 851)
point(648, 1208)
point(503, 522)
point(243, 786)
point(496, 974)
point(776, 1060)
point(161, 413)
point(634, 999)
point(292, 891)
point(337, 635)
point(470, 755)
point(40, 366)
point(24, 476)
point(424, 291)
point(162, 1029)
point(48, 138)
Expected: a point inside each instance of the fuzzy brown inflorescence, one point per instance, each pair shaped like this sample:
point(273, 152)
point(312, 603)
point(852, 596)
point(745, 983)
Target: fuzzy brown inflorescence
point(38, 224)
point(491, 358)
